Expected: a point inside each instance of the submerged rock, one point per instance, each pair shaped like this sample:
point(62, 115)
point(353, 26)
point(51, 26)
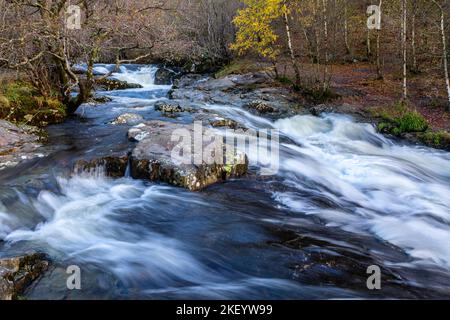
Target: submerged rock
point(108, 84)
point(17, 144)
point(16, 274)
point(128, 118)
point(157, 156)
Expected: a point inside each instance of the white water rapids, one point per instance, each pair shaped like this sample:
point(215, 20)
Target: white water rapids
point(332, 168)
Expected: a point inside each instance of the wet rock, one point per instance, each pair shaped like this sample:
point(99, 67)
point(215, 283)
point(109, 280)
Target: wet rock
point(156, 156)
point(16, 274)
point(164, 76)
point(226, 123)
point(114, 166)
point(108, 84)
point(17, 144)
point(345, 108)
point(99, 100)
point(167, 107)
point(319, 109)
point(128, 118)
point(260, 106)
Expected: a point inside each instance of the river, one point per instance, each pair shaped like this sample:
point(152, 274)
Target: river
point(345, 198)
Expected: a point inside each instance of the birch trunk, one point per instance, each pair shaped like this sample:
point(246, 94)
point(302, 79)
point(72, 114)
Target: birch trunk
point(325, 34)
point(379, 67)
point(291, 48)
point(444, 51)
point(347, 45)
point(404, 49)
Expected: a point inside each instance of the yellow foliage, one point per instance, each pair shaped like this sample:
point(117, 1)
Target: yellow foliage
point(255, 32)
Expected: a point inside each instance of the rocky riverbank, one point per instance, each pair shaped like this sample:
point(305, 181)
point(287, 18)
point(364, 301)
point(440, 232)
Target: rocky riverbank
point(18, 144)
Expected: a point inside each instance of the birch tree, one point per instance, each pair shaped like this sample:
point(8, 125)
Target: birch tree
point(444, 49)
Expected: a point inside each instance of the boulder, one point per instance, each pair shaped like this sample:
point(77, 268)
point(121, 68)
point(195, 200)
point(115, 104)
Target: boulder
point(153, 158)
point(128, 118)
point(108, 84)
point(260, 106)
point(164, 76)
point(16, 274)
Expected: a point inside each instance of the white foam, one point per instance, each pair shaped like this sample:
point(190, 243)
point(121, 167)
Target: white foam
point(399, 193)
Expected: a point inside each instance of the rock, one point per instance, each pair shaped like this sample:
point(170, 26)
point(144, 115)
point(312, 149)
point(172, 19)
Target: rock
point(16, 274)
point(344, 108)
point(223, 84)
point(260, 106)
point(128, 118)
point(99, 100)
point(319, 109)
point(164, 76)
point(153, 158)
point(108, 84)
point(166, 107)
point(114, 166)
point(226, 123)
point(17, 144)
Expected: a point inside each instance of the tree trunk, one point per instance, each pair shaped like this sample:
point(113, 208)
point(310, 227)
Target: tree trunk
point(379, 67)
point(347, 45)
point(291, 48)
point(404, 49)
point(444, 51)
point(325, 34)
point(414, 68)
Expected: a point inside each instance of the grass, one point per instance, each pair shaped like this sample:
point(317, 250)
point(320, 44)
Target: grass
point(20, 103)
point(399, 119)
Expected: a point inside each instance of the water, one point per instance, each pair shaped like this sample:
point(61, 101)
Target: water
point(345, 198)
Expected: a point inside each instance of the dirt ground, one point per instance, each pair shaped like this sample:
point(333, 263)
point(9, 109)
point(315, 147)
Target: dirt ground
point(357, 84)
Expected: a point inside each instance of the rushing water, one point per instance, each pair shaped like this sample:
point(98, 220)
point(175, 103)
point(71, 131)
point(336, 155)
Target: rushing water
point(344, 198)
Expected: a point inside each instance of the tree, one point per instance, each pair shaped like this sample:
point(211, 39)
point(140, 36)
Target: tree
point(404, 48)
point(444, 49)
point(36, 40)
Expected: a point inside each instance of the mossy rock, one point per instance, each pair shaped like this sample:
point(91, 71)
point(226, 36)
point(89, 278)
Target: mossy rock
point(400, 119)
point(440, 139)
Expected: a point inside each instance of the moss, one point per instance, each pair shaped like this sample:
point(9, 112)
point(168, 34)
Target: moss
point(284, 80)
point(22, 104)
point(440, 139)
point(399, 119)
point(237, 67)
point(317, 95)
